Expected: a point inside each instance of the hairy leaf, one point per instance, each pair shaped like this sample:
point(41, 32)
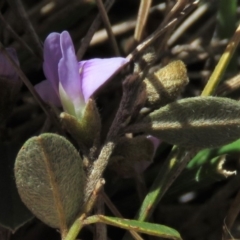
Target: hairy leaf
point(202, 122)
point(165, 85)
point(50, 179)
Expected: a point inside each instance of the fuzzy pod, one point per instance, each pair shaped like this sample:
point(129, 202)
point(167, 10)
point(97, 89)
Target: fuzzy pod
point(50, 179)
point(202, 122)
point(165, 85)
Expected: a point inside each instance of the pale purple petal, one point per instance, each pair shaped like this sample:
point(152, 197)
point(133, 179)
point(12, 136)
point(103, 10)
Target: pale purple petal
point(52, 55)
point(6, 68)
point(47, 93)
point(68, 70)
point(96, 72)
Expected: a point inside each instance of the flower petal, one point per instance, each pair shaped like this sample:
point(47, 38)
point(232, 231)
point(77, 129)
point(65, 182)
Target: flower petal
point(6, 68)
point(52, 55)
point(48, 93)
point(68, 71)
point(96, 72)
point(67, 104)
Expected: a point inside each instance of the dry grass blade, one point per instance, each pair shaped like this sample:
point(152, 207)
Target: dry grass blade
point(108, 27)
point(31, 89)
point(15, 35)
point(18, 7)
point(143, 13)
point(95, 25)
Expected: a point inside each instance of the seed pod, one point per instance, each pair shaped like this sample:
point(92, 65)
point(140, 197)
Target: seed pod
point(202, 122)
point(165, 85)
point(50, 179)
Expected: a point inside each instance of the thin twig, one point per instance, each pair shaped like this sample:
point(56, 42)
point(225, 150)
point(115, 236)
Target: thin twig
point(180, 10)
point(15, 35)
point(95, 25)
point(115, 211)
point(108, 27)
point(187, 23)
point(18, 7)
point(159, 32)
point(110, 205)
point(229, 86)
point(177, 8)
point(31, 88)
point(101, 228)
point(149, 41)
point(120, 28)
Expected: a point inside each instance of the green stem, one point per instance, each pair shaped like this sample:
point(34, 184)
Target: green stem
point(74, 230)
point(79, 222)
point(174, 165)
point(222, 65)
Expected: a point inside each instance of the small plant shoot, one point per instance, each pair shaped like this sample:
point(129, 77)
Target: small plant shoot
point(119, 126)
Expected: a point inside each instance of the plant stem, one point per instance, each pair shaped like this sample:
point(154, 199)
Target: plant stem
point(79, 222)
point(222, 65)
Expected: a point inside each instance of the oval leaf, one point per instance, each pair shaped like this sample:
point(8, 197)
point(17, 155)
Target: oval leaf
point(202, 122)
point(50, 179)
point(142, 227)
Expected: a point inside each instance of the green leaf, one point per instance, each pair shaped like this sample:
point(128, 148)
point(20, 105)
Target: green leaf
point(13, 213)
point(201, 122)
point(50, 179)
point(138, 226)
point(202, 169)
point(207, 154)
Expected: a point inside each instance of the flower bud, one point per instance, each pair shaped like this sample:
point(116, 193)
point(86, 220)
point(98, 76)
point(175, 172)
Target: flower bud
point(165, 85)
point(86, 130)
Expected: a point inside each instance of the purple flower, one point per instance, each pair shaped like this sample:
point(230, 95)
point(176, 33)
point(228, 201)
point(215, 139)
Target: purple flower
point(6, 68)
point(71, 83)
